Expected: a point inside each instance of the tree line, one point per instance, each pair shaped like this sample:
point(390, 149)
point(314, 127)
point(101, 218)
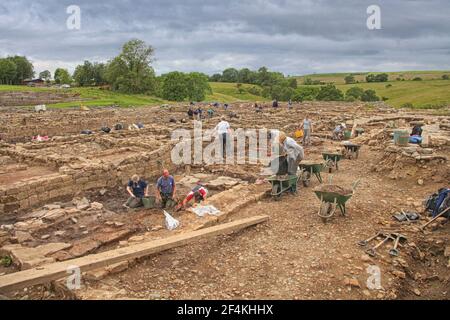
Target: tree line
point(130, 72)
point(14, 70)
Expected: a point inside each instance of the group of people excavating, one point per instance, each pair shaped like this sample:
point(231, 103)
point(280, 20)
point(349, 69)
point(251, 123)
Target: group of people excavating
point(165, 186)
point(166, 189)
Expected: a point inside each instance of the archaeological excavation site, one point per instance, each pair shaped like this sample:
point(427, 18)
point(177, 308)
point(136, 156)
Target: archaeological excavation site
point(353, 222)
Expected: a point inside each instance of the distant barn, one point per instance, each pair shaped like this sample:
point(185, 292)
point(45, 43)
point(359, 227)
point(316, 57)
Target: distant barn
point(33, 82)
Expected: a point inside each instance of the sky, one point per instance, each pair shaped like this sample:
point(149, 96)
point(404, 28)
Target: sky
point(295, 37)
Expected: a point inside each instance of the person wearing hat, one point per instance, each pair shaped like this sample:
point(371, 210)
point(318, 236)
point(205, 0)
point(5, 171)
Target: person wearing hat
point(138, 189)
point(294, 153)
point(198, 193)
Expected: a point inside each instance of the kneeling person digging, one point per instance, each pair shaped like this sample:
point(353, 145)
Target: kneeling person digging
point(138, 189)
point(199, 194)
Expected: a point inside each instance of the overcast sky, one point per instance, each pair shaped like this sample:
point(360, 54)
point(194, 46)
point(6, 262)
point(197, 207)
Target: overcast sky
point(292, 36)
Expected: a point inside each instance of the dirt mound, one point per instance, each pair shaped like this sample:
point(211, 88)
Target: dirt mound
point(334, 189)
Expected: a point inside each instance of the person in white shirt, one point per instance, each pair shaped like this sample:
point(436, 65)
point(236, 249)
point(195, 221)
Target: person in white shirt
point(307, 129)
point(295, 153)
point(223, 130)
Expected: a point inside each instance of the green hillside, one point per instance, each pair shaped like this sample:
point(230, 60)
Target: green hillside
point(228, 92)
point(338, 78)
point(431, 91)
point(222, 92)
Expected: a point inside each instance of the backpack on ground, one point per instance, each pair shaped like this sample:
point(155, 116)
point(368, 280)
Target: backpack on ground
point(438, 202)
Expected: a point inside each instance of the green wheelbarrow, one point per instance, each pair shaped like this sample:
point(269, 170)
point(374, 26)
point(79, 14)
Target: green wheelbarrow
point(333, 197)
point(351, 151)
point(282, 184)
point(332, 160)
point(308, 169)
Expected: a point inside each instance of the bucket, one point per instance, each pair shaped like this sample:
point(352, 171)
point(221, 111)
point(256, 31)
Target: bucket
point(299, 134)
point(171, 204)
point(347, 135)
point(400, 136)
point(149, 202)
point(403, 140)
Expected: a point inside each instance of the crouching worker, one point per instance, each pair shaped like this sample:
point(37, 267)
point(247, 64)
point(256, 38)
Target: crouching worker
point(165, 189)
point(199, 194)
point(138, 189)
point(292, 151)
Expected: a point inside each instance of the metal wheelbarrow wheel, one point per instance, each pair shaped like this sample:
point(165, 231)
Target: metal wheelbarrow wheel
point(331, 165)
point(306, 178)
point(327, 210)
point(276, 192)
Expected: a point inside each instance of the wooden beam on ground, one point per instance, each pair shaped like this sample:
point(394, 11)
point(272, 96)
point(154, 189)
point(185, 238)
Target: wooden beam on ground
point(59, 270)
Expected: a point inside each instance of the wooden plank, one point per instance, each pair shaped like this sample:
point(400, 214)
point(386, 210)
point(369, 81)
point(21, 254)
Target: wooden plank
point(56, 271)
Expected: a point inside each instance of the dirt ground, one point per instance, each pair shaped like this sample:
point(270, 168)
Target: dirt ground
point(295, 255)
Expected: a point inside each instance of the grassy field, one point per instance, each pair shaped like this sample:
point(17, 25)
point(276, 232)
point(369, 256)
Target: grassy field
point(419, 93)
point(222, 92)
point(429, 92)
point(228, 92)
point(93, 97)
point(338, 78)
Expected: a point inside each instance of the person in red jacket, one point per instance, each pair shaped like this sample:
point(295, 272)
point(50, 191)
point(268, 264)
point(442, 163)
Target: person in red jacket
point(199, 194)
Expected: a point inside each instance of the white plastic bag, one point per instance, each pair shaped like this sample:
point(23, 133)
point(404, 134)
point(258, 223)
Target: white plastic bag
point(171, 222)
point(201, 211)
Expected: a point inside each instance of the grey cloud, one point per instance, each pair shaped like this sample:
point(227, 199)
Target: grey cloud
point(291, 36)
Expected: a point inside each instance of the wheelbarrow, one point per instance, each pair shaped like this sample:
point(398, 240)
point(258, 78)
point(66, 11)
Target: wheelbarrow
point(330, 201)
point(283, 184)
point(351, 151)
point(308, 169)
point(332, 160)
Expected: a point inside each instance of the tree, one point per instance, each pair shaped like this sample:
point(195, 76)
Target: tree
point(45, 75)
point(175, 86)
point(240, 88)
point(305, 94)
point(292, 83)
point(62, 76)
point(7, 71)
point(90, 74)
point(245, 76)
point(255, 91)
point(382, 77)
point(349, 79)
point(24, 69)
point(354, 92)
point(217, 77)
point(197, 86)
point(445, 77)
point(131, 71)
point(330, 93)
point(230, 75)
point(369, 96)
